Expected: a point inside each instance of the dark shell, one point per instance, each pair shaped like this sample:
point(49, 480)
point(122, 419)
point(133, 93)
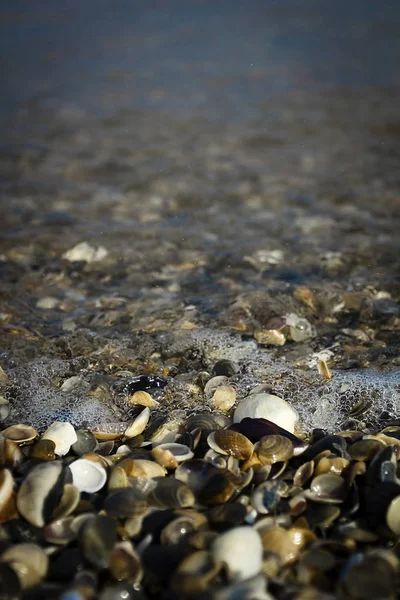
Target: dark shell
point(144, 383)
point(255, 429)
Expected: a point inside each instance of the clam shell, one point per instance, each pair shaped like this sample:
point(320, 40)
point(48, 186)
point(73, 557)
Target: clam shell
point(274, 448)
point(240, 550)
point(29, 561)
point(180, 452)
point(87, 476)
point(213, 383)
point(43, 450)
point(230, 443)
point(139, 424)
point(125, 563)
point(11, 454)
point(224, 398)
point(69, 501)
point(171, 493)
point(194, 574)
point(86, 442)
point(7, 496)
point(21, 434)
point(97, 538)
point(142, 468)
point(40, 492)
point(143, 399)
point(393, 516)
point(63, 435)
point(267, 406)
point(328, 488)
point(303, 473)
point(125, 504)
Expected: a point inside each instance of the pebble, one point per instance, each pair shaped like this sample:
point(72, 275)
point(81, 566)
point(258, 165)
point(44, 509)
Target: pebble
point(63, 435)
point(84, 252)
point(240, 549)
point(267, 406)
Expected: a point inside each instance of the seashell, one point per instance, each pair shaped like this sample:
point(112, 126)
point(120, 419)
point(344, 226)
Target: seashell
point(97, 538)
point(213, 383)
point(87, 476)
point(334, 464)
point(29, 561)
point(365, 449)
point(370, 575)
point(274, 448)
point(336, 444)
point(393, 515)
point(328, 488)
point(179, 528)
point(232, 443)
point(171, 493)
point(69, 501)
point(169, 455)
point(125, 504)
point(222, 486)
point(63, 435)
point(377, 468)
point(60, 532)
point(279, 541)
point(139, 424)
point(255, 429)
point(267, 406)
point(43, 450)
point(201, 421)
point(8, 509)
point(118, 479)
point(86, 442)
point(240, 550)
point(141, 468)
point(272, 337)
point(5, 408)
point(125, 563)
point(195, 473)
point(303, 473)
point(11, 454)
point(224, 398)
point(102, 461)
point(40, 492)
point(225, 367)
point(266, 497)
point(194, 574)
point(225, 516)
point(20, 434)
point(143, 399)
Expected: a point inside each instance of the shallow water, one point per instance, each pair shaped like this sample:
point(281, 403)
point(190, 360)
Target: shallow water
point(223, 157)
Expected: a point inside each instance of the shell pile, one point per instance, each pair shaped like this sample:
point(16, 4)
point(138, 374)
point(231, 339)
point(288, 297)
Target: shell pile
point(210, 509)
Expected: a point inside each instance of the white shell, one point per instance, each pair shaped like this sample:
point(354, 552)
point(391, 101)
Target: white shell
point(63, 435)
point(180, 451)
point(267, 406)
point(240, 549)
point(87, 475)
point(138, 425)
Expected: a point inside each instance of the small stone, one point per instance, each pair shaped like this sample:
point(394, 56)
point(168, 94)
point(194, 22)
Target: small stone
point(63, 435)
point(83, 252)
point(267, 406)
point(225, 367)
point(72, 383)
point(47, 302)
point(240, 549)
point(271, 337)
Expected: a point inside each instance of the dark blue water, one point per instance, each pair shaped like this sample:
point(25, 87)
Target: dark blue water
point(216, 58)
